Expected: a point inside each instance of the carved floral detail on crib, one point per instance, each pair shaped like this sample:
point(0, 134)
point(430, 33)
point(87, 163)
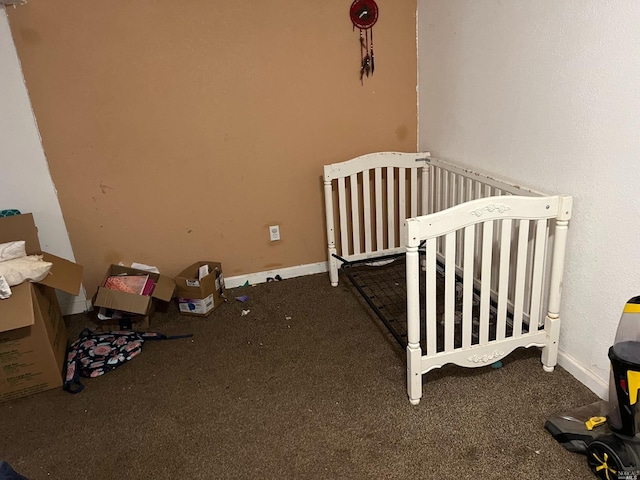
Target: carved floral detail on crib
point(487, 357)
point(501, 208)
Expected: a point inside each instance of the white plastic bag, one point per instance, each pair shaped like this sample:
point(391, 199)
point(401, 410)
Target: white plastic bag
point(11, 250)
point(18, 270)
point(5, 291)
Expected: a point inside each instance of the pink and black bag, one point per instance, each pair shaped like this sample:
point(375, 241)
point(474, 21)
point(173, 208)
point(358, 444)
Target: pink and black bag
point(96, 353)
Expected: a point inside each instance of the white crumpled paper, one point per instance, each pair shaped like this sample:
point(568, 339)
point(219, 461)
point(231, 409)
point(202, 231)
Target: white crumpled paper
point(5, 290)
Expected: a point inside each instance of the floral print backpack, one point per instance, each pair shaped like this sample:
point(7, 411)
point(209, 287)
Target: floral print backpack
point(96, 353)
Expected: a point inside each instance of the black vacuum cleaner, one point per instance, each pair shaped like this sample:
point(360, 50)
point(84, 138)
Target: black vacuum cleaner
point(608, 433)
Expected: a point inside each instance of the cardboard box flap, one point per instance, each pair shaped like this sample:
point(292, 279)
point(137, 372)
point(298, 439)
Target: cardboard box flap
point(17, 310)
point(164, 288)
point(20, 227)
point(64, 275)
point(126, 302)
point(187, 281)
point(209, 281)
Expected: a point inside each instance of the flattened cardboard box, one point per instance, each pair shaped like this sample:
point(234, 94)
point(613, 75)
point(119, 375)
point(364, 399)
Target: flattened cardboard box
point(141, 305)
point(33, 335)
point(200, 297)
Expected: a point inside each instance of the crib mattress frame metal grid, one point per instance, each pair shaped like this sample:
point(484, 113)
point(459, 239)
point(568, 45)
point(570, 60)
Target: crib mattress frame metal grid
point(382, 284)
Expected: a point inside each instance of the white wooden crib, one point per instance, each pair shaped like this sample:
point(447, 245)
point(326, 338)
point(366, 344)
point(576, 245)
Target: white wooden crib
point(483, 258)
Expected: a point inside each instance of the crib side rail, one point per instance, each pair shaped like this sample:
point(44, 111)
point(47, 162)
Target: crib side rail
point(450, 185)
point(511, 235)
point(367, 200)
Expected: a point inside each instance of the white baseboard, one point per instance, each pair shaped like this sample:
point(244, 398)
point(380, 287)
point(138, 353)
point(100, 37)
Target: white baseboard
point(288, 272)
point(70, 304)
point(584, 376)
point(79, 305)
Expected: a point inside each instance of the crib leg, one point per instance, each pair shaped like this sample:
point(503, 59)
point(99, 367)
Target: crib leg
point(333, 267)
point(550, 351)
point(414, 374)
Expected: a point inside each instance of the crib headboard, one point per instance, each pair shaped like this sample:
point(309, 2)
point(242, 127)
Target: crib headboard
point(367, 200)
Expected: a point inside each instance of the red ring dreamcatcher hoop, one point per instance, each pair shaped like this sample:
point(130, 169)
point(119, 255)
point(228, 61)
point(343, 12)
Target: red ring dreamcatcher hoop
point(364, 15)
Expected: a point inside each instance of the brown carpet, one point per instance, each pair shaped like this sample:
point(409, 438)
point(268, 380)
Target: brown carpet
point(308, 385)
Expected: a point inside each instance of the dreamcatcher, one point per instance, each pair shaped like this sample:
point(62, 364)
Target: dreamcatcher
point(364, 14)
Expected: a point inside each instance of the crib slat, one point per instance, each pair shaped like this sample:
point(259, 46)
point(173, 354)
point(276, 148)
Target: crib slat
point(366, 210)
point(460, 199)
point(413, 192)
point(477, 190)
point(426, 192)
point(468, 190)
point(444, 189)
point(467, 284)
point(355, 213)
point(449, 291)
point(437, 190)
point(446, 193)
point(403, 214)
point(379, 223)
point(477, 193)
point(521, 267)
point(503, 279)
point(430, 297)
point(402, 195)
point(485, 280)
point(342, 204)
point(391, 219)
point(441, 197)
point(453, 189)
point(497, 232)
point(527, 281)
point(538, 270)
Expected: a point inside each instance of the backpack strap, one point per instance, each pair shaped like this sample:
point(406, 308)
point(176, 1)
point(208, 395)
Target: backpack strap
point(73, 385)
point(8, 473)
point(161, 336)
point(72, 382)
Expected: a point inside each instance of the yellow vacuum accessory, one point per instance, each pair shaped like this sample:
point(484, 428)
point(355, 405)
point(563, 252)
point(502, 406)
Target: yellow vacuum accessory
point(594, 422)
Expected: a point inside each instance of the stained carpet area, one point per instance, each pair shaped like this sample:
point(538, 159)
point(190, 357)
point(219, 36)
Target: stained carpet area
point(306, 385)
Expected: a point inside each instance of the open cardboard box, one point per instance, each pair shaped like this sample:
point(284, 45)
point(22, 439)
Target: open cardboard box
point(33, 334)
point(140, 307)
point(200, 296)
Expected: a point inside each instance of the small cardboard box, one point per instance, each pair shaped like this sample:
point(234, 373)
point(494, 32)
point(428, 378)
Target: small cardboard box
point(140, 306)
point(33, 335)
point(200, 296)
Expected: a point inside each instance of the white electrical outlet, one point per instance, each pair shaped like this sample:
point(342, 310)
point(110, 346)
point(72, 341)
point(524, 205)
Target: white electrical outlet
point(274, 232)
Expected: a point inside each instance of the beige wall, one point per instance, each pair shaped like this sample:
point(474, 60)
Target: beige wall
point(178, 131)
